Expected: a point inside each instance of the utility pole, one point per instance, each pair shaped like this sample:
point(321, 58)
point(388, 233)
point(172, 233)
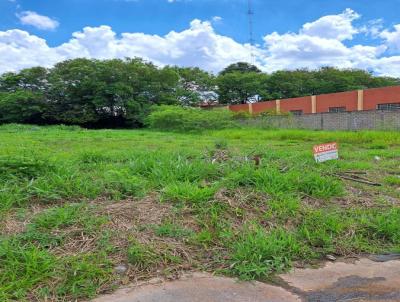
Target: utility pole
point(250, 14)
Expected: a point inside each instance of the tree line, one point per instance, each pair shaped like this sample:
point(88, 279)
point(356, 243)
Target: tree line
point(120, 93)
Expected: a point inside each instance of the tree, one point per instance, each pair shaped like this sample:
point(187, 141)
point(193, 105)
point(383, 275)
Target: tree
point(22, 107)
point(109, 93)
point(195, 86)
point(241, 88)
point(120, 93)
point(241, 67)
point(32, 79)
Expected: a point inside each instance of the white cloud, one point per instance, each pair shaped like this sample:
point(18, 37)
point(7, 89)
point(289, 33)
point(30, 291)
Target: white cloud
point(216, 19)
point(19, 49)
point(373, 28)
point(392, 37)
point(316, 44)
point(322, 43)
point(338, 27)
point(198, 45)
point(38, 21)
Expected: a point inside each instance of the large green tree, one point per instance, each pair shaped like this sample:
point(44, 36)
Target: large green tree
point(195, 86)
point(241, 67)
point(22, 106)
point(120, 93)
point(240, 88)
point(108, 93)
point(31, 79)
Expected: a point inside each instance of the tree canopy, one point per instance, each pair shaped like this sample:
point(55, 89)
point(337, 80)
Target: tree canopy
point(241, 67)
point(120, 93)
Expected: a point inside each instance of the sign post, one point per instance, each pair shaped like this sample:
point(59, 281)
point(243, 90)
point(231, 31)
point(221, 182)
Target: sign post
point(325, 152)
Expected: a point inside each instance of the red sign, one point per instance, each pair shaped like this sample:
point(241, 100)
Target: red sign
point(326, 152)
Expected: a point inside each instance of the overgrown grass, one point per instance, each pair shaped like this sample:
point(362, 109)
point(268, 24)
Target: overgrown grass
point(223, 212)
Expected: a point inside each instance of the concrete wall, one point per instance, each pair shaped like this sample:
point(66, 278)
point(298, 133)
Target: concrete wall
point(356, 120)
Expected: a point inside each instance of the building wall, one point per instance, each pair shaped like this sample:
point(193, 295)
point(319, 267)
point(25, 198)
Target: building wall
point(341, 99)
point(375, 96)
point(264, 106)
point(357, 100)
point(302, 103)
point(238, 108)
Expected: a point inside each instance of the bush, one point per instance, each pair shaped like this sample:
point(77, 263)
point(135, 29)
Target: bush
point(188, 119)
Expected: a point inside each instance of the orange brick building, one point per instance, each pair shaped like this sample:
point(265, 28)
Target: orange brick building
point(386, 98)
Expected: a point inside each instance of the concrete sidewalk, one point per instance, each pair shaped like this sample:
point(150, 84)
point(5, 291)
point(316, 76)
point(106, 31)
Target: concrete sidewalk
point(375, 279)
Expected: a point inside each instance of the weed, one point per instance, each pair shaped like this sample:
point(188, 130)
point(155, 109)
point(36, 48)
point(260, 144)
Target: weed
point(320, 229)
point(393, 180)
point(384, 226)
point(50, 168)
point(188, 192)
point(319, 186)
point(258, 253)
point(172, 230)
point(83, 275)
point(141, 255)
point(46, 228)
point(221, 144)
point(22, 167)
point(22, 267)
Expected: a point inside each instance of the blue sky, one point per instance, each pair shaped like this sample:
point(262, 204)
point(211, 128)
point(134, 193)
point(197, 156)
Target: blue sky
point(205, 33)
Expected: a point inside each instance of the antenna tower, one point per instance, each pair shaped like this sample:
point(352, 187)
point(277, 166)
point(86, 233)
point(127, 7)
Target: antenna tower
point(250, 14)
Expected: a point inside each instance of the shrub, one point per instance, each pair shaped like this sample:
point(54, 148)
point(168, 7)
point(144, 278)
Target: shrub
point(188, 119)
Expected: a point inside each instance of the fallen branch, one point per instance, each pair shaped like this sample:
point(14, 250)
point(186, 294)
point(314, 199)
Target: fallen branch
point(358, 179)
point(355, 172)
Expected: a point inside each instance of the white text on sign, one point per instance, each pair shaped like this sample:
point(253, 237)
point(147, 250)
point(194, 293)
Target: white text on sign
point(325, 152)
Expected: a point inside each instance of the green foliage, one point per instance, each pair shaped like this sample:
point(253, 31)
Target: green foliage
point(172, 230)
point(141, 255)
point(384, 225)
point(258, 253)
point(241, 67)
point(87, 95)
point(302, 82)
point(22, 267)
point(21, 106)
point(187, 192)
point(44, 229)
point(195, 86)
point(254, 221)
point(82, 276)
point(321, 229)
point(393, 180)
point(120, 93)
point(22, 167)
point(188, 119)
point(319, 186)
point(120, 183)
point(239, 88)
point(91, 93)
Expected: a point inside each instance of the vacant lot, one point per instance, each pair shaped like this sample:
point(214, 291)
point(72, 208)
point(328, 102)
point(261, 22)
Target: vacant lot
point(85, 211)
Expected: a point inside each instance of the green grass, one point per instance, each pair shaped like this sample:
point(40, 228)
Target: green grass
point(80, 202)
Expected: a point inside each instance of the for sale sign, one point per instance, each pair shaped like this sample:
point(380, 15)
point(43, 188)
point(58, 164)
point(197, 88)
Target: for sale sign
point(326, 152)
